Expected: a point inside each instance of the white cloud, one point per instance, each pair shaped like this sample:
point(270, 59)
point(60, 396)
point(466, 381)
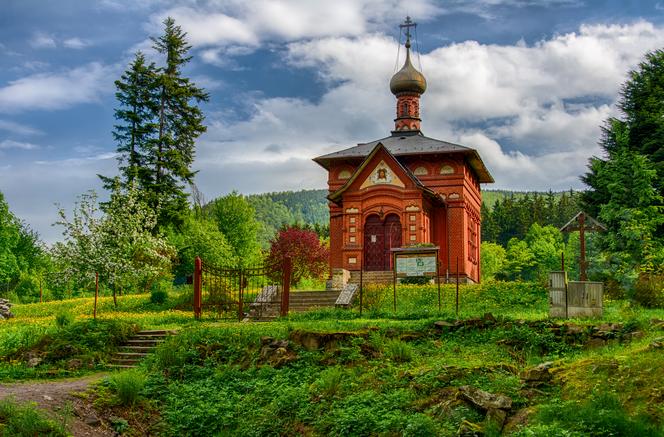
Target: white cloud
point(42, 41)
point(18, 128)
point(217, 24)
point(11, 144)
point(57, 90)
point(33, 198)
point(533, 112)
point(75, 43)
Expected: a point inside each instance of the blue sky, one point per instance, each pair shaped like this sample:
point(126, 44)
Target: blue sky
point(527, 83)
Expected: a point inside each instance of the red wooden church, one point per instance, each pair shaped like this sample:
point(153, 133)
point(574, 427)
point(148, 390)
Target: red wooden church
point(405, 189)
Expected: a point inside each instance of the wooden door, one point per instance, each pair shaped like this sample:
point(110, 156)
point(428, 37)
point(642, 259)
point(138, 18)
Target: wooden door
point(392, 238)
point(374, 243)
point(379, 237)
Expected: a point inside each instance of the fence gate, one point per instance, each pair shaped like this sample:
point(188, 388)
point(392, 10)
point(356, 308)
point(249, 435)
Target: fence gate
point(256, 292)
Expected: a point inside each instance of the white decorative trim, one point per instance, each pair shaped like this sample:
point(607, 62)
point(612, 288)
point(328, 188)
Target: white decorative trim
point(412, 208)
point(352, 210)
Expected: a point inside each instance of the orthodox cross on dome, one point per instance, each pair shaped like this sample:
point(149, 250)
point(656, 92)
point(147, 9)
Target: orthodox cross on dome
point(407, 24)
point(407, 85)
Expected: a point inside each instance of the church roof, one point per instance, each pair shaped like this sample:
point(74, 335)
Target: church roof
point(378, 145)
point(408, 145)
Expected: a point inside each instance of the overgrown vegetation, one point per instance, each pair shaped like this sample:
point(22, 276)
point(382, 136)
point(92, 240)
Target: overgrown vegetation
point(24, 420)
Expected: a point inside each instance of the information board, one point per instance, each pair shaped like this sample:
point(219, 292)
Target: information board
point(416, 264)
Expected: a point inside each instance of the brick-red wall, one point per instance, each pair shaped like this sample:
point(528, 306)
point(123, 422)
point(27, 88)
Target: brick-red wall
point(463, 199)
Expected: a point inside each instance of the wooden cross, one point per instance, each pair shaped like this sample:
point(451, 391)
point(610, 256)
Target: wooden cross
point(582, 222)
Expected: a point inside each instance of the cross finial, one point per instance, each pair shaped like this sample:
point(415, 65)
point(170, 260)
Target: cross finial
point(407, 24)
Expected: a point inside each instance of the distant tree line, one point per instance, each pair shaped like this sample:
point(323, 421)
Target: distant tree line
point(512, 216)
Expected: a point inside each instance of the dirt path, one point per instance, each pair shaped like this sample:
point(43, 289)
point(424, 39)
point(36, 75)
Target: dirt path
point(52, 396)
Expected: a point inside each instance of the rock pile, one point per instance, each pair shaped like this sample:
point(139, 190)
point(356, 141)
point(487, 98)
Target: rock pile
point(5, 309)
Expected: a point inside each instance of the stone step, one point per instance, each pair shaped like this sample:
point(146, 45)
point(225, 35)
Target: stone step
point(125, 362)
point(138, 348)
point(122, 366)
point(159, 332)
point(131, 354)
point(152, 342)
point(307, 301)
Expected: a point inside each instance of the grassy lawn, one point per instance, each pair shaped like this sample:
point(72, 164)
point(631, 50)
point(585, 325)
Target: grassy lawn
point(381, 373)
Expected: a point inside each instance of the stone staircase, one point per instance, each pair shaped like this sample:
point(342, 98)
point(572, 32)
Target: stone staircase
point(373, 277)
point(138, 347)
point(301, 301)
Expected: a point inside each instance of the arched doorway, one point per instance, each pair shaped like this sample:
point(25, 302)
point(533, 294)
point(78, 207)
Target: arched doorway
point(379, 237)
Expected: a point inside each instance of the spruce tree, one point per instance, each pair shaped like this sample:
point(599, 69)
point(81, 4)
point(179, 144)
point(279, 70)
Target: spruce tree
point(136, 125)
point(179, 123)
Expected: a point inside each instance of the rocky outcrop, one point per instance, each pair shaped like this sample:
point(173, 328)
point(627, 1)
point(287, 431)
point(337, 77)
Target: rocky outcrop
point(275, 352)
point(495, 407)
point(5, 309)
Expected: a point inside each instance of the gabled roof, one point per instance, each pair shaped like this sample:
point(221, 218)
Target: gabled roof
point(336, 196)
point(404, 145)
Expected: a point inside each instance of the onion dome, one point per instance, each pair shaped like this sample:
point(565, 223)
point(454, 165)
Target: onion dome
point(408, 79)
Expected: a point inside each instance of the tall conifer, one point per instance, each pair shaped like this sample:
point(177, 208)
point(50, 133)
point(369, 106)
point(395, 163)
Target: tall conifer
point(179, 122)
point(136, 126)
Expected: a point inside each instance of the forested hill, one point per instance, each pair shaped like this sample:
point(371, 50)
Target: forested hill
point(505, 213)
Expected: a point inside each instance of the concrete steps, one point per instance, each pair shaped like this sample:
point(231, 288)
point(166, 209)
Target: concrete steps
point(301, 301)
point(138, 347)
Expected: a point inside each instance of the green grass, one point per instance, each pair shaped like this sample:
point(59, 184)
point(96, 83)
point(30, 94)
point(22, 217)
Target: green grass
point(24, 420)
point(393, 374)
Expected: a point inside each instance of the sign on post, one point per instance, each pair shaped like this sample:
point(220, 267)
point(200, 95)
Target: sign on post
point(415, 262)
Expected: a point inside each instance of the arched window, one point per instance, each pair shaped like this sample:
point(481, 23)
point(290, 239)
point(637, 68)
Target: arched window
point(404, 109)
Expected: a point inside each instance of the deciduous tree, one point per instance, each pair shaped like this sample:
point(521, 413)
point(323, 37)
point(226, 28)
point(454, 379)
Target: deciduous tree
point(303, 246)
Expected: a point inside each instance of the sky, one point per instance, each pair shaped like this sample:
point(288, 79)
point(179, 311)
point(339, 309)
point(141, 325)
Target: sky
point(527, 83)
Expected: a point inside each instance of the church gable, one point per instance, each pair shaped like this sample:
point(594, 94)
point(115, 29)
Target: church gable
point(382, 174)
point(380, 168)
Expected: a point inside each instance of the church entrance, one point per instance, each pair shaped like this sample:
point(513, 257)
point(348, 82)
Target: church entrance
point(379, 237)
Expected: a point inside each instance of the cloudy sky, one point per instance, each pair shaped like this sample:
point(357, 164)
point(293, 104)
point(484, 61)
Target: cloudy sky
point(526, 82)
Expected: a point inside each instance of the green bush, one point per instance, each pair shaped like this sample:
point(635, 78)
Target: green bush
point(415, 280)
point(398, 351)
point(25, 420)
point(27, 289)
point(649, 290)
point(158, 297)
point(128, 385)
point(63, 319)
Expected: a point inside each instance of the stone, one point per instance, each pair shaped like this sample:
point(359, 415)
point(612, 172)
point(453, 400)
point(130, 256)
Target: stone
point(595, 342)
point(658, 343)
point(539, 373)
point(47, 397)
point(495, 419)
point(657, 323)
point(443, 325)
point(93, 421)
point(484, 400)
point(637, 335)
point(470, 429)
point(572, 329)
point(74, 364)
point(34, 362)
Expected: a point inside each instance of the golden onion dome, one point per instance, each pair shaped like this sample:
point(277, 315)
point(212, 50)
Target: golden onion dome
point(408, 79)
